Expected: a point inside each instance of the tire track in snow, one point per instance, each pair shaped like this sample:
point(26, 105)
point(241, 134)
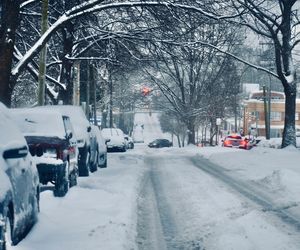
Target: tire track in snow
point(157, 228)
point(155, 219)
point(246, 190)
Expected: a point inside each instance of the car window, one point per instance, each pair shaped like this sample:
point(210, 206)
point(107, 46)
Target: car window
point(67, 124)
point(236, 137)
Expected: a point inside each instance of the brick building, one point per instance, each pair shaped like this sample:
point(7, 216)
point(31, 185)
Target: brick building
point(254, 115)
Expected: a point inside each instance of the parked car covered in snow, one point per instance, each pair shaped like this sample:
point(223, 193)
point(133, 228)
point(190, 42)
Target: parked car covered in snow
point(19, 184)
point(51, 141)
point(101, 147)
point(85, 141)
point(116, 139)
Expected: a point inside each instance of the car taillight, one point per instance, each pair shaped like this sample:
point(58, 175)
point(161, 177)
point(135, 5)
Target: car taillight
point(72, 150)
point(226, 142)
point(60, 154)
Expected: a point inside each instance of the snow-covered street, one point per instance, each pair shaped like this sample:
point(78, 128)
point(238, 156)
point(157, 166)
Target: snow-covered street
point(210, 198)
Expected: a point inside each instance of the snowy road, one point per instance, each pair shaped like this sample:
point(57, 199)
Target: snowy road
point(172, 198)
point(183, 207)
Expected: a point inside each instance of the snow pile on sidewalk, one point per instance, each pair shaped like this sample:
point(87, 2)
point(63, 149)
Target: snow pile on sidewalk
point(99, 213)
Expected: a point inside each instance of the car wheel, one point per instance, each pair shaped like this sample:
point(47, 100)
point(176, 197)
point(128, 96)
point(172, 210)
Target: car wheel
point(94, 165)
point(35, 206)
point(61, 186)
point(6, 232)
point(73, 179)
point(104, 165)
point(84, 162)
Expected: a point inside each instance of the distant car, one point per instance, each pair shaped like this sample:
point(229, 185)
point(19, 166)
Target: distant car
point(116, 139)
point(237, 141)
point(160, 143)
point(19, 185)
point(129, 142)
point(138, 133)
point(101, 147)
point(52, 143)
point(82, 128)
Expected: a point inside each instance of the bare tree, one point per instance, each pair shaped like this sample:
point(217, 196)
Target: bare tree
point(190, 76)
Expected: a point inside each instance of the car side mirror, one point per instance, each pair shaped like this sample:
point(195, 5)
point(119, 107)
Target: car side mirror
point(89, 129)
point(107, 140)
point(15, 153)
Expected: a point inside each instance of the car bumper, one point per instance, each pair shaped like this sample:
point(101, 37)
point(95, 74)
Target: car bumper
point(115, 147)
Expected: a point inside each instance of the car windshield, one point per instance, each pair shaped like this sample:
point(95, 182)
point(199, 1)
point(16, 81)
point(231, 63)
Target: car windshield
point(236, 137)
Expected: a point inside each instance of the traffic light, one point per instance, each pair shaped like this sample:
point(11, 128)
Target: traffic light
point(146, 91)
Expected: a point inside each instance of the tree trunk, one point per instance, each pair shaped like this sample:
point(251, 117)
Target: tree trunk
point(178, 140)
point(288, 137)
point(9, 22)
point(66, 74)
point(191, 132)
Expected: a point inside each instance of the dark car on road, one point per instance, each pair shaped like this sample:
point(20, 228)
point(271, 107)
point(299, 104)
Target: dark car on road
point(160, 143)
point(19, 184)
point(51, 142)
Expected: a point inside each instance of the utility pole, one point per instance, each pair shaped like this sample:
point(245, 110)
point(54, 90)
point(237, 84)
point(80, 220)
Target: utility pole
point(269, 107)
point(266, 113)
point(110, 100)
point(76, 83)
point(93, 83)
point(42, 62)
point(235, 114)
point(87, 111)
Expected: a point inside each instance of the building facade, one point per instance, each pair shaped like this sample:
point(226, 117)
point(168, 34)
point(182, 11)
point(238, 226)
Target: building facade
point(254, 114)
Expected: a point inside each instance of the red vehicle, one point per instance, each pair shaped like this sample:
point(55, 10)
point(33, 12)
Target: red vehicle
point(237, 141)
point(51, 142)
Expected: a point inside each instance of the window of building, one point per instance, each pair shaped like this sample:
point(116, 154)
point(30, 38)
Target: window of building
point(297, 116)
point(255, 115)
point(276, 116)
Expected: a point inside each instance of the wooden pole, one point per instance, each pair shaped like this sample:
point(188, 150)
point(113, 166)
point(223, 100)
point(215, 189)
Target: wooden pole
point(43, 56)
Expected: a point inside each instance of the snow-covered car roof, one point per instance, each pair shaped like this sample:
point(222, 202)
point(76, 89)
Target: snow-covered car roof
point(109, 132)
point(37, 122)
point(77, 117)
